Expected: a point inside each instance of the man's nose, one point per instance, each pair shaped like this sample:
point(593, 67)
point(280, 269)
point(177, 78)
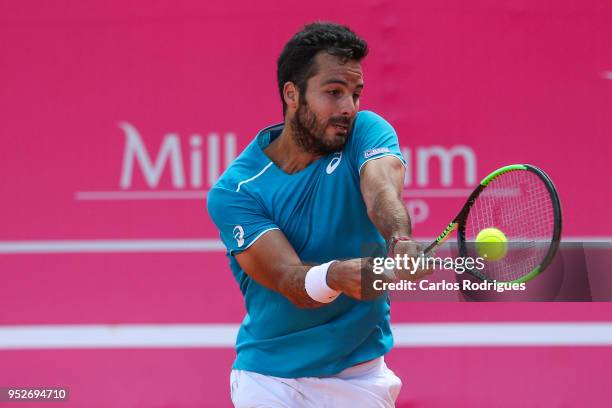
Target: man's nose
point(348, 107)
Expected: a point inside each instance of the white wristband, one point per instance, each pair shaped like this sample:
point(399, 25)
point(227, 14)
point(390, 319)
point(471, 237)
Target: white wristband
point(315, 284)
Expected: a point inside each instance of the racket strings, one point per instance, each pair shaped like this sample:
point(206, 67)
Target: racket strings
point(519, 204)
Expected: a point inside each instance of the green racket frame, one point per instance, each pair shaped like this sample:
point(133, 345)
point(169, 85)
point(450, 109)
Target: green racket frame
point(459, 221)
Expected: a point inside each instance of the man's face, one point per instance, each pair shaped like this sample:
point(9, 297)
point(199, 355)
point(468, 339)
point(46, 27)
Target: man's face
point(325, 113)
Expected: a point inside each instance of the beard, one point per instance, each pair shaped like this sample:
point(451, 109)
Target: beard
point(309, 131)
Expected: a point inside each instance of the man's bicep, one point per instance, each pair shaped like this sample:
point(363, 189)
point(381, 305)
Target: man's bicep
point(268, 259)
point(381, 174)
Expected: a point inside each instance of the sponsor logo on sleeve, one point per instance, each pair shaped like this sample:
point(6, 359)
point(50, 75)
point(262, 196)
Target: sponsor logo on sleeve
point(373, 152)
point(239, 235)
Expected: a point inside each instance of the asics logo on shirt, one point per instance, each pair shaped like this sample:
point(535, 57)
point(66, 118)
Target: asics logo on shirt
point(334, 163)
point(239, 235)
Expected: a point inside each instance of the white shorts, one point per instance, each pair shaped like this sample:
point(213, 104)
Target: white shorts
point(370, 384)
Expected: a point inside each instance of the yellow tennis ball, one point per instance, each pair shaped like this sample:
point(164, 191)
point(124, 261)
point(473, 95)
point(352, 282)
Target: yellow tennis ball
point(491, 244)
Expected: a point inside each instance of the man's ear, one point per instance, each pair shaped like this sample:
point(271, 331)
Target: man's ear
point(291, 95)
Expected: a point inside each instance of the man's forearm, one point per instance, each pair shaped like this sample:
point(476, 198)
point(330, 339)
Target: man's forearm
point(389, 214)
point(293, 287)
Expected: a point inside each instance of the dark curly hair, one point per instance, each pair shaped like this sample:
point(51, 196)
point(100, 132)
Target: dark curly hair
point(296, 62)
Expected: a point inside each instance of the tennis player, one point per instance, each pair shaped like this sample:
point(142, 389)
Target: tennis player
point(295, 211)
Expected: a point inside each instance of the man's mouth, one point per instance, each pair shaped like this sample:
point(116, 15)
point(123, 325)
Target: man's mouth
point(341, 128)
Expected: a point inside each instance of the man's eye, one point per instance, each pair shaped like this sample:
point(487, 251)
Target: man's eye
point(334, 92)
point(356, 96)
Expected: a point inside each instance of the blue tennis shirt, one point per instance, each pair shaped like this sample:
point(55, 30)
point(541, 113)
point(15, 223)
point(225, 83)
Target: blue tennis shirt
point(321, 211)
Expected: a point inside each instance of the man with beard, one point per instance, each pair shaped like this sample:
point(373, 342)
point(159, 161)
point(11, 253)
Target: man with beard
point(296, 210)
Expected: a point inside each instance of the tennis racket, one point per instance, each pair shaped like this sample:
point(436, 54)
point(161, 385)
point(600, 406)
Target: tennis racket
point(521, 201)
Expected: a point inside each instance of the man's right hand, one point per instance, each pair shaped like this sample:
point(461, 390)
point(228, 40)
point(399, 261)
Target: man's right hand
point(412, 249)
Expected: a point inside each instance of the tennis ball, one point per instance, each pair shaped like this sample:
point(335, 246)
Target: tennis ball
point(491, 244)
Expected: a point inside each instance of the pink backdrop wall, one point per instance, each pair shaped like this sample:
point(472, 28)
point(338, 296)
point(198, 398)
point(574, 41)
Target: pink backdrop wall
point(89, 87)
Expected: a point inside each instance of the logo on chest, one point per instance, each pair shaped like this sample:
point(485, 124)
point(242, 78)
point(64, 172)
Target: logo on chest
point(334, 163)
